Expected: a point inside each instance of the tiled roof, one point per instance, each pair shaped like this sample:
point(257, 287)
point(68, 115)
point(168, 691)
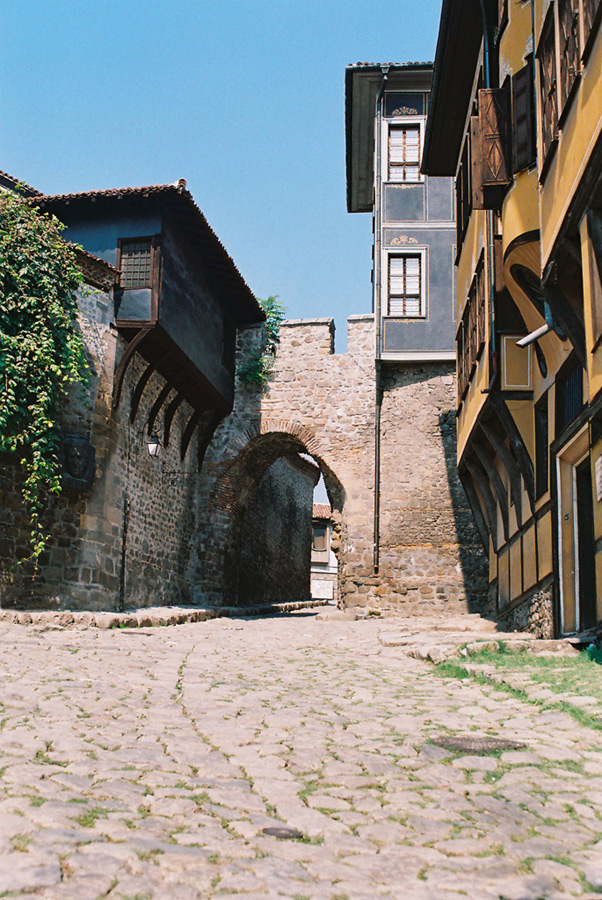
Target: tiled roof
point(322, 511)
point(397, 65)
point(4, 176)
point(176, 198)
point(177, 186)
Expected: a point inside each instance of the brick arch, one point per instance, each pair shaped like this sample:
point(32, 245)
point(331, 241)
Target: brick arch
point(255, 450)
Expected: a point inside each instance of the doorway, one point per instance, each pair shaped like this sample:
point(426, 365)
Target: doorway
point(584, 527)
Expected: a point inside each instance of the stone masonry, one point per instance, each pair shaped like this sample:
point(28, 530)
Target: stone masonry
point(323, 403)
point(126, 541)
point(276, 546)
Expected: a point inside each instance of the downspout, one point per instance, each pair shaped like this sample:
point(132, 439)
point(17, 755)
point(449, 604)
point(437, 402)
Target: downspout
point(490, 233)
point(376, 306)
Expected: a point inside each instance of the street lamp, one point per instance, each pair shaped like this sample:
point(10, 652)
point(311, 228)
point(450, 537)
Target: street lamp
point(153, 444)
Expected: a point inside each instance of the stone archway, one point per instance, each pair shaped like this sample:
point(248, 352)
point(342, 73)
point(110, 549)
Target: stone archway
point(254, 452)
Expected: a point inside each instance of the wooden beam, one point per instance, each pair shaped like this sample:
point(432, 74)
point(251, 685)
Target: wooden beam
point(169, 414)
point(124, 362)
point(475, 505)
point(519, 449)
point(499, 487)
point(189, 431)
point(143, 381)
point(482, 483)
point(500, 449)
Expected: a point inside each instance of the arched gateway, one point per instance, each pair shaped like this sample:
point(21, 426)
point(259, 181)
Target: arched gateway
point(321, 405)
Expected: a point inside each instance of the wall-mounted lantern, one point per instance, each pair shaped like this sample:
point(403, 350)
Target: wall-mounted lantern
point(153, 444)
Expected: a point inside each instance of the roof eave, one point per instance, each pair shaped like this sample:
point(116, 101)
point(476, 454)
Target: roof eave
point(362, 86)
point(458, 47)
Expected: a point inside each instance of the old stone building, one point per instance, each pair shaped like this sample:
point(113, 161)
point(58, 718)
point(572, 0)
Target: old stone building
point(158, 318)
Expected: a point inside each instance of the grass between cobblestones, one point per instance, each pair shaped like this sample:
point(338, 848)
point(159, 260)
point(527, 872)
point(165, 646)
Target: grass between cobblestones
point(576, 675)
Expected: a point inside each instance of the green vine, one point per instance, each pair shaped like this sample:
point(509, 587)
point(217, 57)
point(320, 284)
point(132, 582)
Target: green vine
point(260, 365)
point(41, 350)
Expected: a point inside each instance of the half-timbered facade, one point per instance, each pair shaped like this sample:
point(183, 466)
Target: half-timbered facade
point(516, 117)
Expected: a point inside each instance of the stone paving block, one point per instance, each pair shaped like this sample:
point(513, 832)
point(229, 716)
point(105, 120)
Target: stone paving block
point(179, 749)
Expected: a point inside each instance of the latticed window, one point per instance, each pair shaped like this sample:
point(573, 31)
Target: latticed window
point(136, 264)
point(568, 26)
point(548, 86)
point(471, 334)
point(405, 285)
point(404, 153)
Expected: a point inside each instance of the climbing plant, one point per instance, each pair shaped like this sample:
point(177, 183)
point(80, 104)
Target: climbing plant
point(41, 349)
point(259, 366)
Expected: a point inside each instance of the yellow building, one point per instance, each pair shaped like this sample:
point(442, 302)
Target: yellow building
point(516, 115)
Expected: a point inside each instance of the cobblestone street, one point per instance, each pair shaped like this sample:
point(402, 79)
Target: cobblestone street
point(145, 763)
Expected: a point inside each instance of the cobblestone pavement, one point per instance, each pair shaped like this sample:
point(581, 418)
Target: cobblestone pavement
point(145, 763)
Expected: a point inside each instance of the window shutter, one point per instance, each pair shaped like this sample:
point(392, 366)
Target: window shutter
point(568, 24)
point(523, 120)
point(493, 121)
point(547, 85)
point(476, 174)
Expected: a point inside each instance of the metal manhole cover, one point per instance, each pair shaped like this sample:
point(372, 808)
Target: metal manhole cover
point(476, 744)
point(283, 832)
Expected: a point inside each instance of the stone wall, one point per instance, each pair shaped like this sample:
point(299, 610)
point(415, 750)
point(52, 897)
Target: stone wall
point(276, 549)
point(534, 613)
point(126, 541)
point(323, 404)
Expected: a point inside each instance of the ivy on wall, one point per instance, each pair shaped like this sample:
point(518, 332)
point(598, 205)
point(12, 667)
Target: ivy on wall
point(41, 348)
point(259, 367)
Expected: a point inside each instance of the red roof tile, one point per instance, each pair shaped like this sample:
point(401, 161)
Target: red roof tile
point(15, 181)
point(322, 511)
point(219, 263)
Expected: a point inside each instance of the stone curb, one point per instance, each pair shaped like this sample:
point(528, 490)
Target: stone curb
point(148, 617)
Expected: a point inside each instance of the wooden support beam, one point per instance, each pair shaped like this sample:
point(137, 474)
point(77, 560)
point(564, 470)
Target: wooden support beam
point(475, 505)
point(189, 431)
point(498, 446)
point(519, 449)
point(124, 362)
point(169, 414)
point(143, 381)
point(481, 452)
point(481, 481)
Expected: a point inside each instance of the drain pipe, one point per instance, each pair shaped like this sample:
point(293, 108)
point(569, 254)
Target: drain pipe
point(376, 307)
point(490, 234)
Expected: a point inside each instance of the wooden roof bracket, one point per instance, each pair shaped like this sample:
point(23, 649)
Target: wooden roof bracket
point(143, 381)
point(509, 463)
point(212, 423)
point(475, 505)
point(169, 414)
point(498, 485)
point(519, 449)
point(156, 407)
point(124, 363)
point(189, 431)
point(482, 483)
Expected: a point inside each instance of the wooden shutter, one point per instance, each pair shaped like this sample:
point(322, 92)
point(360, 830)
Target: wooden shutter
point(547, 85)
point(568, 25)
point(493, 123)
point(523, 119)
point(475, 164)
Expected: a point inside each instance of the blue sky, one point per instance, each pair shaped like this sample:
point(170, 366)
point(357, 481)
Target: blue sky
point(243, 98)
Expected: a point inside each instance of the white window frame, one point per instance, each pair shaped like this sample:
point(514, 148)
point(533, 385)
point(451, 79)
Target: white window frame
point(402, 122)
point(410, 251)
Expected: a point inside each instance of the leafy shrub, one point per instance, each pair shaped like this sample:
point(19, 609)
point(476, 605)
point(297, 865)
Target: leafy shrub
point(258, 368)
point(41, 349)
